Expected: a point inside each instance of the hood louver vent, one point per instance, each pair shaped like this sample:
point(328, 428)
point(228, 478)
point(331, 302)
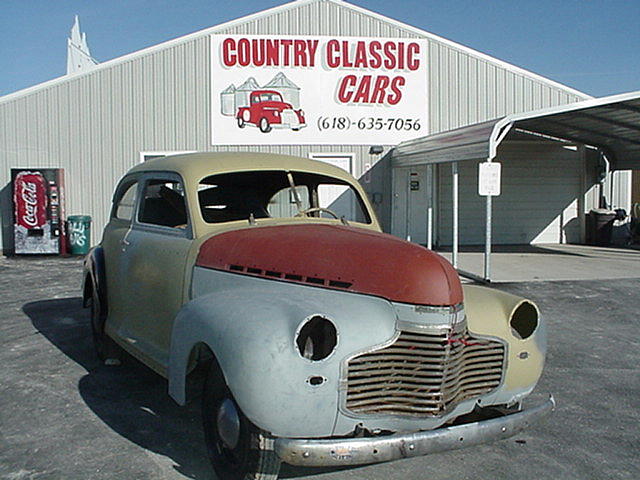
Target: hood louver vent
point(271, 274)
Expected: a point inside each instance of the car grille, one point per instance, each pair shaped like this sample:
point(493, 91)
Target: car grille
point(289, 117)
point(423, 374)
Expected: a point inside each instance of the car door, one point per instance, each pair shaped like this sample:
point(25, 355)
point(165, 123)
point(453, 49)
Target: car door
point(114, 240)
point(154, 256)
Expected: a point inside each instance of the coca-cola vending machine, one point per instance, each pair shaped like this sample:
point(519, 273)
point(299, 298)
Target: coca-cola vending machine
point(38, 202)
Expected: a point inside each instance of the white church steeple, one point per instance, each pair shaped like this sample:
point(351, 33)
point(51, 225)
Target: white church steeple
point(78, 55)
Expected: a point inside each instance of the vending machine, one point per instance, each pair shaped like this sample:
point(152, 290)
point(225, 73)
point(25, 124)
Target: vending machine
point(38, 202)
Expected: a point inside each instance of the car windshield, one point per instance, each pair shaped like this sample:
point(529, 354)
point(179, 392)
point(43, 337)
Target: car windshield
point(278, 194)
point(266, 97)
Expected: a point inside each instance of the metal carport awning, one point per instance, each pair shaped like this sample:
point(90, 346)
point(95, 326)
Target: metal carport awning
point(611, 124)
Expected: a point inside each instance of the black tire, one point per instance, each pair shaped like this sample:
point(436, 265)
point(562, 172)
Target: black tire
point(252, 456)
point(105, 348)
point(241, 123)
point(265, 126)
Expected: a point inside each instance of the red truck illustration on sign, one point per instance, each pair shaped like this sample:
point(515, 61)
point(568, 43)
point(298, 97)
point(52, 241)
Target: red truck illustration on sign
point(267, 110)
point(273, 105)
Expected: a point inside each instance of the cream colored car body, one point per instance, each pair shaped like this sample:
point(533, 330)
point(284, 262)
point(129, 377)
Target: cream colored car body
point(160, 314)
point(138, 286)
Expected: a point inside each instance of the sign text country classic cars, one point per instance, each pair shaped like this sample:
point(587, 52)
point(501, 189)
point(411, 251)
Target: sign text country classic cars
point(293, 90)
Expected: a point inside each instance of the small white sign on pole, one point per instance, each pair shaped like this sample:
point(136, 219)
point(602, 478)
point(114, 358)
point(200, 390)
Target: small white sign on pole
point(489, 179)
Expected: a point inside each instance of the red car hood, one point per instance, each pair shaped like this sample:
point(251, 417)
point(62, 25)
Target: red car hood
point(339, 257)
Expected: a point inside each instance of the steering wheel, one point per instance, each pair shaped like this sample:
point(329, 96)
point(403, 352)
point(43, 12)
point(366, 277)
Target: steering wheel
point(307, 211)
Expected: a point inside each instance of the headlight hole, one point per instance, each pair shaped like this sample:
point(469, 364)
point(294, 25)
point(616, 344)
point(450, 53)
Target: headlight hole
point(317, 339)
point(524, 320)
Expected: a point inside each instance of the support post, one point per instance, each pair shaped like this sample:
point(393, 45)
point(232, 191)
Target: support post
point(407, 208)
point(487, 245)
point(429, 186)
point(430, 227)
point(582, 198)
point(454, 250)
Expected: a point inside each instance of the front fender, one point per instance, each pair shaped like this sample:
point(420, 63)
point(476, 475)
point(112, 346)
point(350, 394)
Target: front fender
point(250, 324)
point(489, 312)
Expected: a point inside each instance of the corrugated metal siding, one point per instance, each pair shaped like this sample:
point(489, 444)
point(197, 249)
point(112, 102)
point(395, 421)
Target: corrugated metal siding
point(464, 89)
point(94, 125)
point(532, 208)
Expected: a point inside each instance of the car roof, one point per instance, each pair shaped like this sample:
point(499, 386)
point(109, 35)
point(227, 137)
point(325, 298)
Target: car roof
point(195, 166)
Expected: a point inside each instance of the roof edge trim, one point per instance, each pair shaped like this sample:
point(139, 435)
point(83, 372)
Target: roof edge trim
point(510, 120)
point(481, 140)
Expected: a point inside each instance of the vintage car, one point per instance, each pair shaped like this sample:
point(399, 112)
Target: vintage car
point(324, 341)
point(268, 110)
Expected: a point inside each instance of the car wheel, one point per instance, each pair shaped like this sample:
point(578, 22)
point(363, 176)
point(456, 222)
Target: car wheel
point(105, 348)
point(241, 123)
point(265, 127)
point(238, 450)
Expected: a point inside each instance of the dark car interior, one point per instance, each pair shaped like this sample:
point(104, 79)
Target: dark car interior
point(163, 205)
point(239, 195)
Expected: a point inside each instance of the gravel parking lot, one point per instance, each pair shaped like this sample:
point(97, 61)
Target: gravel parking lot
point(64, 415)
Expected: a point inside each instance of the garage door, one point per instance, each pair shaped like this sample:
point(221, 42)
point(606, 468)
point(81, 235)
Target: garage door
point(539, 202)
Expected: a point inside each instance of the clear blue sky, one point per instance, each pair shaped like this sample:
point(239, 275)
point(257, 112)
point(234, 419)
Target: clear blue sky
point(590, 45)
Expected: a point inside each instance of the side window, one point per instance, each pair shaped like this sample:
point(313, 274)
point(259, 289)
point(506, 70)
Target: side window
point(126, 204)
point(163, 204)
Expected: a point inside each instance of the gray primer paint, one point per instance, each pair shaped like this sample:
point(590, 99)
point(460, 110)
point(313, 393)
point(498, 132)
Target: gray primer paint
point(250, 324)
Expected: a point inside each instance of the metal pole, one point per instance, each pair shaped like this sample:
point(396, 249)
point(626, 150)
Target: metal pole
point(407, 205)
point(429, 186)
point(487, 246)
point(430, 228)
point(454, 253)
point(582, 199)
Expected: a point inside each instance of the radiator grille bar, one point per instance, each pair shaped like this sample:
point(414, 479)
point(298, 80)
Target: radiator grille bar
point(424, 374)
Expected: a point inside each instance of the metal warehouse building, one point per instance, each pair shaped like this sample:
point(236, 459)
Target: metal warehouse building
point(407, 112)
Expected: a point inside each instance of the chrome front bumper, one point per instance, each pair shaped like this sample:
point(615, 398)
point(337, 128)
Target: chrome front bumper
point(360, 451)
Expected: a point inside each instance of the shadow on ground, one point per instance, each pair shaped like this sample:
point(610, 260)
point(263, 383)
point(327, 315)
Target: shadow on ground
point(131, 399)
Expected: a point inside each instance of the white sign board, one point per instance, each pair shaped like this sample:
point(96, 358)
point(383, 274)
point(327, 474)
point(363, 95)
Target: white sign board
point(489, 179)
point(292, 90)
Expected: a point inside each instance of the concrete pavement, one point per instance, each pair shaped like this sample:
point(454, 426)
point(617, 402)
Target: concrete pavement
point(532, 263)
point(64, 415)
